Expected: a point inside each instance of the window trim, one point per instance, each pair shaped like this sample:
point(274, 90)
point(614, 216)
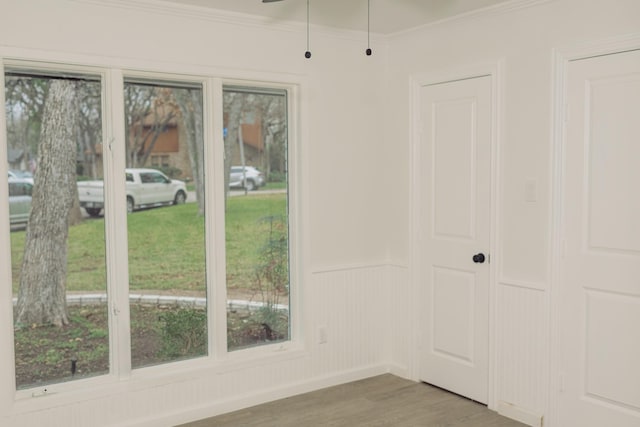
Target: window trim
point(113, 75)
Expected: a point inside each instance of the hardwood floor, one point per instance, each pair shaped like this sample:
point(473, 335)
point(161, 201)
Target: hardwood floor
point(385, 400)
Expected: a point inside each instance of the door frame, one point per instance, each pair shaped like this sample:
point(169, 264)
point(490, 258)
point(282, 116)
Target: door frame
point(495, 70)
point(562, 58)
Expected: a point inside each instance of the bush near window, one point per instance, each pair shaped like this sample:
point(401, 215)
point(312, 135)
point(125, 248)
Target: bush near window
point(184, 333)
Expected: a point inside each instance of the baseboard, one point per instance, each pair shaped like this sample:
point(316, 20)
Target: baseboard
point(211, 409)
point(399, 371)
point(519, 414)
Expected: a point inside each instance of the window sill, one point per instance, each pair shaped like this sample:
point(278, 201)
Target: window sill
point(61, 394)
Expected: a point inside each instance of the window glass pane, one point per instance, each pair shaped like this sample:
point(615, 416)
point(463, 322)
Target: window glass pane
point(256, 218)
point(54, 140)
point(166, 233)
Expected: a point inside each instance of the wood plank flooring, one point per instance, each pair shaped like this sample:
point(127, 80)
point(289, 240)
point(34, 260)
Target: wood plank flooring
point(385, 400)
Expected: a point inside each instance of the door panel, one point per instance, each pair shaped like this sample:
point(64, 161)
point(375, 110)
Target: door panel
point(600, 290)
point(453, 163)
point(455, 211)
point(452, 304)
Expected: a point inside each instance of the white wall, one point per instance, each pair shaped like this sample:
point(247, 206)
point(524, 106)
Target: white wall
point(342, 210)
point(522, 36)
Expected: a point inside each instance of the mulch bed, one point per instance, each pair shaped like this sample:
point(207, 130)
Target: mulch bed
point(48, 354)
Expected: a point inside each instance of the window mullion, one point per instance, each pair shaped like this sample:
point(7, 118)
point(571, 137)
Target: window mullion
point(214, 164)
point(115, 214)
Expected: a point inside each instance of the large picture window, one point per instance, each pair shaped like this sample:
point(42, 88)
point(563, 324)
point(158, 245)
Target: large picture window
point(111, 253)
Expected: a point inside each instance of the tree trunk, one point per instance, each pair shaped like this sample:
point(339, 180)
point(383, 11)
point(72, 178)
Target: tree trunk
point(190, 104)
point(233, 109)
point(42, 295)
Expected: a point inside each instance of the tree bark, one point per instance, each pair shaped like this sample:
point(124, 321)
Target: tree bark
point(190, 104)
point(42, 294)
point(234, 104)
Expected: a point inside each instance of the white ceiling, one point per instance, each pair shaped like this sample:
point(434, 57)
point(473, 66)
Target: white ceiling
point(387, 16)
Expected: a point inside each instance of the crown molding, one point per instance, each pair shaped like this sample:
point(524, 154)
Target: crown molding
point(187, 11)
point(254, 21)
point(498, 9)
point(226, 17)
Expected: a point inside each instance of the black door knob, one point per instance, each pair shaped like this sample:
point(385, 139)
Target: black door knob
point(479, 258)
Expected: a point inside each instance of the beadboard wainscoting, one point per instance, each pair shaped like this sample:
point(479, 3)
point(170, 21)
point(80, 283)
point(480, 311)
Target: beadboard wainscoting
point(363, 309)
point(522, 351)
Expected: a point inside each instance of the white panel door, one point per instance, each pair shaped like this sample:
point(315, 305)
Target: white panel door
point(600, 287)
point(455, 149)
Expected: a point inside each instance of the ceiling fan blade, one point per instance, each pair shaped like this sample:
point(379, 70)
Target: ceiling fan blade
point(270, 1)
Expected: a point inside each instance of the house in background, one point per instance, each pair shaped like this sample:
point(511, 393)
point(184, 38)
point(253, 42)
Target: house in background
point(165, 148)
point(253, 145)
point(547, 275)
point(160, 146)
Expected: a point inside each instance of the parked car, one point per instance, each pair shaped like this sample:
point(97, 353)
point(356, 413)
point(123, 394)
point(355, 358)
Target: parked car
point(145, 188)
point(19, 174)
point(19, 200)
point(252, 179)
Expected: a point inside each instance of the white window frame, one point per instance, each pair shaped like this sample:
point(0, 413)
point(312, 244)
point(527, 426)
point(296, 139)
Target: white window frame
point(219, 359)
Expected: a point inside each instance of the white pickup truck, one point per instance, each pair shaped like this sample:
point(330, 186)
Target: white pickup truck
point(145, 188)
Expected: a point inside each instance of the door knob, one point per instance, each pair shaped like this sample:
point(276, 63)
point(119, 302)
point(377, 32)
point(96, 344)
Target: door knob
point(479, 258)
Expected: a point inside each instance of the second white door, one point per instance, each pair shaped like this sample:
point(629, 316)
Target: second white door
point(454, 187)
point(600, 288)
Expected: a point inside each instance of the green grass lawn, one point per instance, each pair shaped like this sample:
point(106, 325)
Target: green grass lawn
point(268, 186)
point(167, 247)
point(275, 186)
